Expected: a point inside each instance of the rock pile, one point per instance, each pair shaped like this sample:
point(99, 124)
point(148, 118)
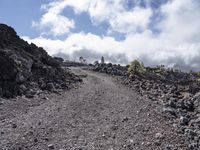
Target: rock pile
point(180, 103)
point(177, 93)
point(26, 68)
point(110, 68)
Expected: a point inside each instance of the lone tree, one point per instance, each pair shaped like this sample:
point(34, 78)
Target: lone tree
point(102, 60)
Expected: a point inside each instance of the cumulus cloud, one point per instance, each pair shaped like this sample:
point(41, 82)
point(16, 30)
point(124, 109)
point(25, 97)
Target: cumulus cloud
point(56, 23)
point(80, 41)
point(113, 12)
point(176, 41)
point(131, 21)
point(92, 56)
point(116, 14)
point(77, 45)
point(181, 23)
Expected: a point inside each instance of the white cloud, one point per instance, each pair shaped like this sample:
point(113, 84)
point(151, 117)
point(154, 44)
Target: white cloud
point(116, 14)
point(110, 11)
point(78, 6)
point(177, 43)
point(181, 23)
point(53, 20)
point(139, 46)
point(78, 42)
point(131, 21)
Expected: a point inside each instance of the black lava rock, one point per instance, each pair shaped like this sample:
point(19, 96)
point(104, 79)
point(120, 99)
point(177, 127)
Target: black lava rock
point(22, 64)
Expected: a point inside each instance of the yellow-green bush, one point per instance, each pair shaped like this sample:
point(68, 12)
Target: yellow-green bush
point(159, 70)
point(136, 67)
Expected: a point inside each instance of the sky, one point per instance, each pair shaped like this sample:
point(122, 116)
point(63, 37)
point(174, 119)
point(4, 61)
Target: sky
point(153, 31)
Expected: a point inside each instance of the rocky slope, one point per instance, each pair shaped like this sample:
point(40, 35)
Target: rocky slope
point(177, 93)
point(26, 68)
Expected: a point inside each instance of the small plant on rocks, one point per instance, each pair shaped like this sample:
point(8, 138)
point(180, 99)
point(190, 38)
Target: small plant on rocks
point(136, 68)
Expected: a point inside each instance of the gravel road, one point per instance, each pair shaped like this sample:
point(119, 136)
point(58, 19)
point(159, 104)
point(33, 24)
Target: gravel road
point(99, 114)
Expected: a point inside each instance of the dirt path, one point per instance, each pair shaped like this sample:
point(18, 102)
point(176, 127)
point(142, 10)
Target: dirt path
point(99, 115)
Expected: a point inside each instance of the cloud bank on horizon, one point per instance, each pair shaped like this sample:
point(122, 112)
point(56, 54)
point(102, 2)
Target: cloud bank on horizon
point(153, 31)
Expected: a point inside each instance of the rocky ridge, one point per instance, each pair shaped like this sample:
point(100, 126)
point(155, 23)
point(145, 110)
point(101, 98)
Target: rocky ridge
point(27, 69)
point(73, 64)
point(112, 69)
point(177, 92)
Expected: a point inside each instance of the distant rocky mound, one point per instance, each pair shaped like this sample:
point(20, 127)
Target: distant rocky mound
point(26, 68)
point(109, 68)
point(73, 64)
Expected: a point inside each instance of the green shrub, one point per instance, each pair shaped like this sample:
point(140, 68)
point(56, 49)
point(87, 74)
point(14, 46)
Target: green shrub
point(159, 70)
point(136, 68)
